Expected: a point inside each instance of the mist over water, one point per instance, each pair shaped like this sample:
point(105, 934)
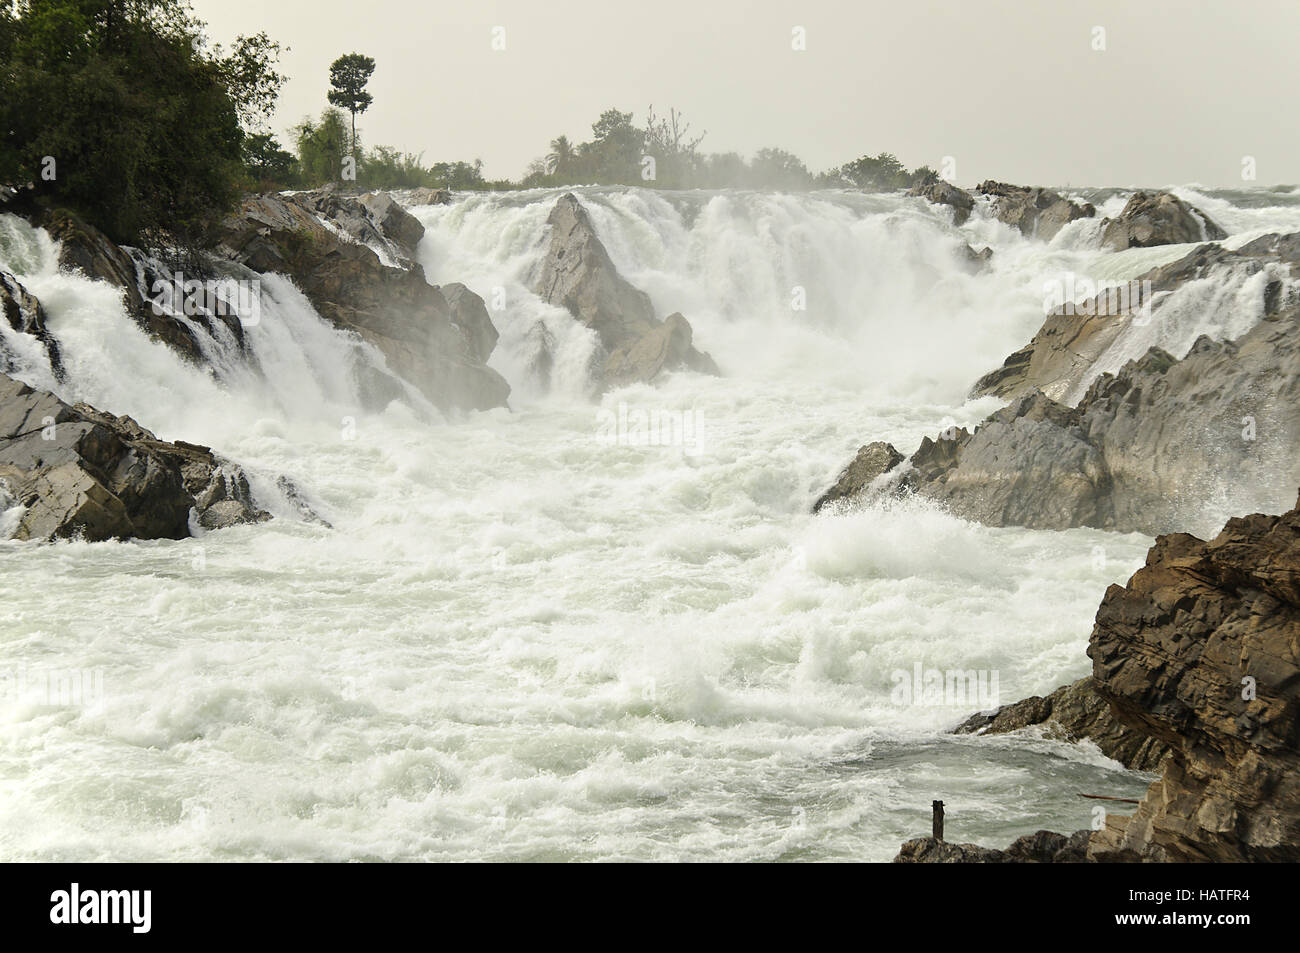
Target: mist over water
point(522, 639)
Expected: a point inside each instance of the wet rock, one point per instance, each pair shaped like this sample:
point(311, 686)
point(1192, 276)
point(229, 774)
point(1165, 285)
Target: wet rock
point(80, 472)
point(1201, 649)
point(394, 222)
point(425, 196)
point(470, 315)
point(578, 275)
point(392, 307)
point(1041, 847)
point(1158, 218)
point(662, 348)
point(26, 315)
point(940, 192)
point(872, 461)
point(1072, 713)
point(1037, 213)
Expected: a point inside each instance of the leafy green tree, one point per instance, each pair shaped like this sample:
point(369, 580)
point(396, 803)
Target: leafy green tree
point(115, 109)
point(876, 172)
point(561, 157)
point(322, 147)
point(778, 169)
point(268, 165)
point(348, 78)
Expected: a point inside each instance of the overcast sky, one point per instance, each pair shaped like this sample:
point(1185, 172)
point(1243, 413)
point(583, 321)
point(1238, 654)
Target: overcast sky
point(1010, 89)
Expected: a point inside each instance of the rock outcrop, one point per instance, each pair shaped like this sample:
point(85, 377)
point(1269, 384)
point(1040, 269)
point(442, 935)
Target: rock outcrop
point(86, 249)
point(1199, 654)
point(940, 192)
point(391, 306)
point(1037, 213)
point(1041, 847)
point(1072, 713)
point(1158, 218)
point(79, 472)
point(22, 312)
point(1145, 450)
point(1202, 650)
point(872, 461)
point(577, 274)
point(1062, 354)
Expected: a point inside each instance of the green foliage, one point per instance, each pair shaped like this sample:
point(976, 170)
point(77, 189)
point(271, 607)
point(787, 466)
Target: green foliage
point(349, 75)
point(877, 173)
point(322, 146)
point(268, 166)
point(114, 109)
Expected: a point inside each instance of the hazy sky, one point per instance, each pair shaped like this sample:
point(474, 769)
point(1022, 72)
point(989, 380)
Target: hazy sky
point(1010, 89)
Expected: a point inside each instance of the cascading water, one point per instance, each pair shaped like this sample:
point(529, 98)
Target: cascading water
point(530, 635)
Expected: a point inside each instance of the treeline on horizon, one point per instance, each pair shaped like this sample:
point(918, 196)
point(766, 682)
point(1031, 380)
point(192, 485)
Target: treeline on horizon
point(122, 112)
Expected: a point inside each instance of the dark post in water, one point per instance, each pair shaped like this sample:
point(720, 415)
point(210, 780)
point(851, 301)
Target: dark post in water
point(938, 819)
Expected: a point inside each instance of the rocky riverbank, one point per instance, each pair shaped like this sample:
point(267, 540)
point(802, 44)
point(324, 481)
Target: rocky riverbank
point(1197, 659)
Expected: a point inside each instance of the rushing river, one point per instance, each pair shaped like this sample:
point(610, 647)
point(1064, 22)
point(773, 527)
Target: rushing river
point(584, 627)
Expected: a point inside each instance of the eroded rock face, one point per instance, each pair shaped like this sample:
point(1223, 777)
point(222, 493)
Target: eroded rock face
point(26, 315)
point(1037, 213)
point(1072, 713)
point(578, 275)
point(83, 473)
point(410, 321)
point(940, 192)
point(1202, 650)
point(1158, 218)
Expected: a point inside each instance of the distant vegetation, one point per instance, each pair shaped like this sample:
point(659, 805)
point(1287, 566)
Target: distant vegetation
point(119, 110)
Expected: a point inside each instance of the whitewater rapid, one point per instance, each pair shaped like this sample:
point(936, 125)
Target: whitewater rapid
point(522, 639)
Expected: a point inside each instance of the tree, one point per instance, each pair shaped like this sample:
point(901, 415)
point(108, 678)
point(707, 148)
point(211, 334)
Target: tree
point(561, 156)
point(268, 165)
point(778, 169)
point(115, 109)
point(876, 172)
point(322, 147)
point(348, 78)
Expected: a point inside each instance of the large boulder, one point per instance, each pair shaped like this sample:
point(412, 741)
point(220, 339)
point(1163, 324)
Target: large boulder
point(577, 274)
point(871, 462)
point(470, 315)
point(79, 472)
point(1158, 218)
point(940, 192)
point(1041, 847)
point(394, 222)
point(25, 314)
point(1036, 212)
point(1201, 650)
point(391, 306)
point(1073, 712)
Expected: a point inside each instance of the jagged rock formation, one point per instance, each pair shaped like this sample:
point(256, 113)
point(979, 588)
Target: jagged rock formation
point(1202, 650)
point(941, 192)
point(1041, 847)
point(577, 274)
point(1037, 213)
point(87, 249)
point(392, 306)
point(872, 461)
point(1145, 449)
point(83, 473)
point(426, 196)
point(22, 312)
point(1063, 352)
point(1199, 652)
point(1158, 218)
point(1072, 713)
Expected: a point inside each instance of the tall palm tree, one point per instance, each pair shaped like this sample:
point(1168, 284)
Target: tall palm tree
point(561, 156)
